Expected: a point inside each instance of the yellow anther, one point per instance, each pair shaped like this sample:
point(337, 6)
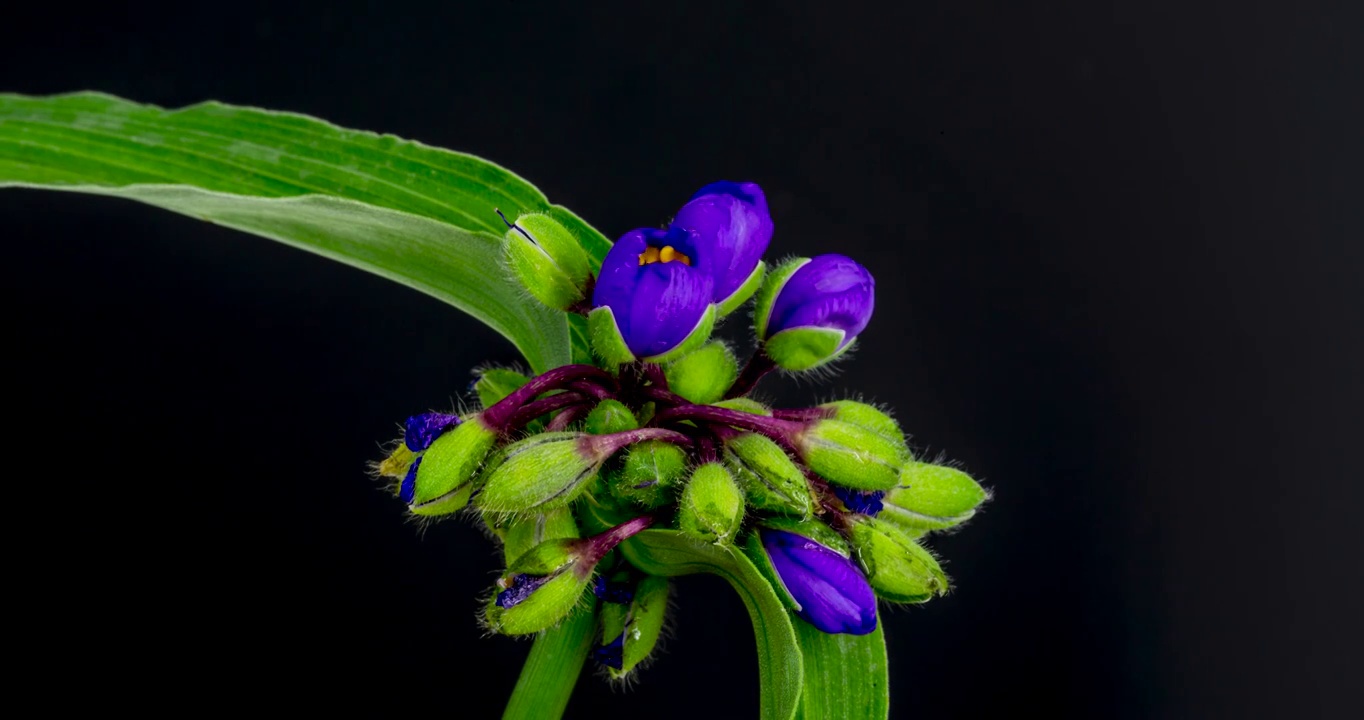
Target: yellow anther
point(667, 254)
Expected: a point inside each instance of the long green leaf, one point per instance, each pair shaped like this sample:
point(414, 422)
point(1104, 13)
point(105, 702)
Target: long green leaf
point(419, 215)
point(551, 670)
point(846, 676)
point(668, 552)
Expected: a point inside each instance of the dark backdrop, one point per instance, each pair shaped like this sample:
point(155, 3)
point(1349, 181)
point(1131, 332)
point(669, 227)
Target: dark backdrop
point(1118, 253)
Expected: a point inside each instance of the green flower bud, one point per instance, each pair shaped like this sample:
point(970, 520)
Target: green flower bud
point(712, 505)
point(445, 473)
point(898, 568)
point(550, 470)
point(543, 585)
point(610, 416)
point(494, 384)
point(933, 497)
point(650, 474)
point(853, 456)
point(704, 375)
point(770, 479)
point(538, 473)
point(631, 630)
point(548, 261)
point(743, 404)
point(865, 416)
point(521, 534)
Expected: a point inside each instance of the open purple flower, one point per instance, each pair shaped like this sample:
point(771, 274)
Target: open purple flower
point(655, 289)
point(830, 590)
point(732, 222)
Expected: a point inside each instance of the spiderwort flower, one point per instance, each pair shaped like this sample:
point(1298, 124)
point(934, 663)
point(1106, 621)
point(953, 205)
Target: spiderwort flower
point(823, 584)
point(810, 311)
point(652, 297)
point(733, 222)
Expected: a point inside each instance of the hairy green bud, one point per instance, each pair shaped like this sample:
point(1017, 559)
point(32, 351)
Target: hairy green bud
point(650, 474)
point(898, 568)
point(853, 456)
point(544, 584)
point(538, 473)
point(712, 505)
point(610, 416)
point(547, 260)
point(933, 497)
point(446, 472)
point(631, 630)
point(865, 416)
point(704, 375)
point(521, 534)
point(770, 479)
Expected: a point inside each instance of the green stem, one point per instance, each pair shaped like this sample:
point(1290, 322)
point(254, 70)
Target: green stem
point(552, 668)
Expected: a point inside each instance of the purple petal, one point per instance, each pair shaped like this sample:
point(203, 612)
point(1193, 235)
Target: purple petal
point(521, 587)
point(407, 491)
point(830, 291)
point(620, 273)
point(733, 228)
point(833, 594)
point(422, 430)
point(867, 503)
point(669, 301)
point(612, 654)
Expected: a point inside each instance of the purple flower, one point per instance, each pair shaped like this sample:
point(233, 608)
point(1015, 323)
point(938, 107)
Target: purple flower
point(866, 503)
point(732, 223)
point(829, 291)
point(831, 591)
point(658, 292)
point(422, 430)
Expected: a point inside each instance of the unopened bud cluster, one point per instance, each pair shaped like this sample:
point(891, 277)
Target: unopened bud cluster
point(829, 501)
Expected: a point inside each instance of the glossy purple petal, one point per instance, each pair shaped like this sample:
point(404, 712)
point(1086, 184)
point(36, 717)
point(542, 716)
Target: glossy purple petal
point(830, 291)
point(656, 305)
point(407, 490)
point(422, 430)
point(733, 228)
point(833, 593)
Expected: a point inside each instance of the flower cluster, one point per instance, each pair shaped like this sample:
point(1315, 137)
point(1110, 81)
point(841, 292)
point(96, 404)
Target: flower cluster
point(828, 501)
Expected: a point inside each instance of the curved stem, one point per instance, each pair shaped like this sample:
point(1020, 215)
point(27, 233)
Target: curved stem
point(497, 416)
point(543, 406)
point(782, 430)
point(754, 370)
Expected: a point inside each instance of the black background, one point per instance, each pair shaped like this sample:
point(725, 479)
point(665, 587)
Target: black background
point(1118, 257)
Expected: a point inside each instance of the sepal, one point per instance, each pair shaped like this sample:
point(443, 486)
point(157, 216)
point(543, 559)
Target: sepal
point(538, 474)
point(770, 479)
point(631, 630)
point(443, 478)
point(703, 376)
point(547, 260)
point(853, 456)
point(898, 568)
point(933, 497)
point(712, 505)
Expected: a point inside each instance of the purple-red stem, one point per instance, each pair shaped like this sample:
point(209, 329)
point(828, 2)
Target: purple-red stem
point(543, 406)
point(775, 428)
point(497, 416)
point(593, 549)
point(754, 370)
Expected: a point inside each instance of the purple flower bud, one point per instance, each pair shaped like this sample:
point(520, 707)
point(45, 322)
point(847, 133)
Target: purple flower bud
point(407, 490)
point(831, 591)
point(422, 430)
point(655, 287)
point(867, 503)
point(829, 291)
point(733, 226)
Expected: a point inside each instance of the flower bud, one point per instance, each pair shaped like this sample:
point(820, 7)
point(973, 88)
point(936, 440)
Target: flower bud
point(631, 630)
point(809, 566)
point(704, 375)
point(809, 311)
point(898, 568)
point(494, 384)
point(712, 505)
point(865, 416)
point(610, 416)
point(422, 430)
point(770, 480)
point(650, 474)
point(538, 473)
point(547, 260)
point(743, 404)
point(853, 456)
point(933, 497)
point(732, 227)
point(521, 534)
point(441, 480)
point(544, 584)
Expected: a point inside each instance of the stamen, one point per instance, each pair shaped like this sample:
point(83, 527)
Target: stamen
point(667, 254)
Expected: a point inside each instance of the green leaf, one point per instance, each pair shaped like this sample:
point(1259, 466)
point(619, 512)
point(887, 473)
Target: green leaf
point(669, 553)
point(552, 668)
point(845, 675)
point(418, 215)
